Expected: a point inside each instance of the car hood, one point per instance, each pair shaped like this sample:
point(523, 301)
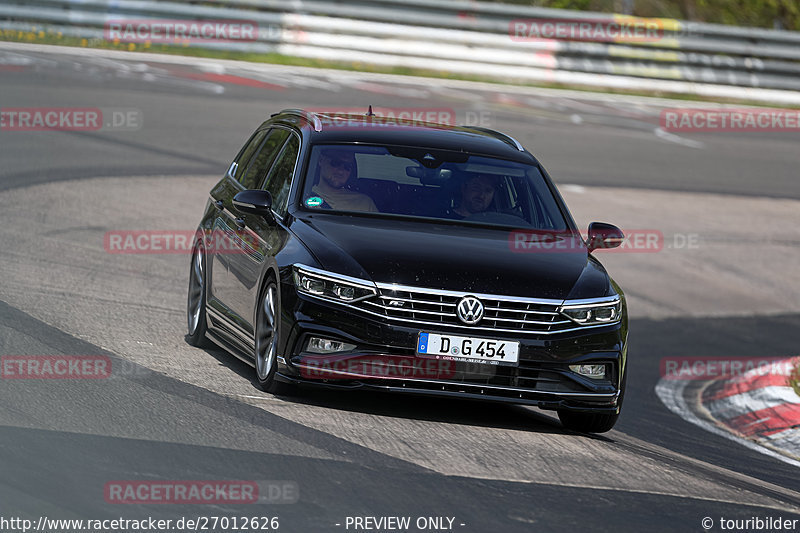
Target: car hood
point(449, 256)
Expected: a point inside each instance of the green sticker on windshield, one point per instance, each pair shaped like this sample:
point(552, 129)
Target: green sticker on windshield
point(314, 201)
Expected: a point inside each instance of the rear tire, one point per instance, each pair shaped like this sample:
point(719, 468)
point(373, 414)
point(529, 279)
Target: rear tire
point(196, 299)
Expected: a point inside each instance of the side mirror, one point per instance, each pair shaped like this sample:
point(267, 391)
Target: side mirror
point(604, 236)
point(254, 202)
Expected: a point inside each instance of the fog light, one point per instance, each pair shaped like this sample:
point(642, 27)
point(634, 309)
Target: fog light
point(593, 371)
point(320, 345)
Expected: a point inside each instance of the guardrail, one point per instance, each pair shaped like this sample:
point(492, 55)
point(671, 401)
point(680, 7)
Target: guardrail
point(469, 38)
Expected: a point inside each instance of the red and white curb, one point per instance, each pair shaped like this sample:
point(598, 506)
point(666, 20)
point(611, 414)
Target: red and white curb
point(758, 406)
point(757, 409)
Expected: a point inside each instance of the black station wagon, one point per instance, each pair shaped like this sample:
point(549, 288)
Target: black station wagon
point(360, 252)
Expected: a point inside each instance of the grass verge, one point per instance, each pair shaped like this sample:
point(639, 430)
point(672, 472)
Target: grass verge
point(794, 379)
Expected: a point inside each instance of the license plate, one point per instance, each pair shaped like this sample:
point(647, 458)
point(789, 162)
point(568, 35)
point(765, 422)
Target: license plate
point(490, 351)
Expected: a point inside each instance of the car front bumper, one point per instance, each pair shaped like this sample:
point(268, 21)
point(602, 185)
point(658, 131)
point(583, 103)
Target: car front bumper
point(385, 359)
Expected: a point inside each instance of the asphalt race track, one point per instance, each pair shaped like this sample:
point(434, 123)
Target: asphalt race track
point(173, 412)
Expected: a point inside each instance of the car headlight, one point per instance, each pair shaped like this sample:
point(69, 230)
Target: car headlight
point(331, 286)
point(591, 313)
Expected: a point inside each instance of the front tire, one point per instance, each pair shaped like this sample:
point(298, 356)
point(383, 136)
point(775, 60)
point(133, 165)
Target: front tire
point(266, 333)
point(196, 299)
point(593, 422)
point(587, 422)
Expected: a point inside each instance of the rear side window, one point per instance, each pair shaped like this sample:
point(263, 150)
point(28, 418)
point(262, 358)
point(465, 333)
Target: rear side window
point(280, 177)
point(239, 166)
point(259, 164)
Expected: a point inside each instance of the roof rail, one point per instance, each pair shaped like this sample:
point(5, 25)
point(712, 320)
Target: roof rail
point(508, 139)
point(308, 115)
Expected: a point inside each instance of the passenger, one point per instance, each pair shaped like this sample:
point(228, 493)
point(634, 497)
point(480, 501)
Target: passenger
point(336, 168)
point(476, 196)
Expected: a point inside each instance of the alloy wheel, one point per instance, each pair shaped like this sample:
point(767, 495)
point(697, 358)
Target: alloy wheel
point(266, 334)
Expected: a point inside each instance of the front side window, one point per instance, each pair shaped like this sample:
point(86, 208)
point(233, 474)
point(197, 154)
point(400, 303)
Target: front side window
point(432, 184)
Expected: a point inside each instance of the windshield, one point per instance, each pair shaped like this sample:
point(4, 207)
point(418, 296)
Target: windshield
point(424, 183)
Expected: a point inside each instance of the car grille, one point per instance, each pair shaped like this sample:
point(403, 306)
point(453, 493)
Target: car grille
point(424, 307)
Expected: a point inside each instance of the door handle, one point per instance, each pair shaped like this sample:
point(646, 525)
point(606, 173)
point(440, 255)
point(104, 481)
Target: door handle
point(219, 204)
point(240, 222)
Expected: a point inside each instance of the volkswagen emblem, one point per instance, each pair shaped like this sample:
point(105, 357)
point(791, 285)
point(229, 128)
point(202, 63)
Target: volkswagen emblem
point(469, 310)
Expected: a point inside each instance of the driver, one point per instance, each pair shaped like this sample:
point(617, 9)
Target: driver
point(336, 167)
point(477, 195)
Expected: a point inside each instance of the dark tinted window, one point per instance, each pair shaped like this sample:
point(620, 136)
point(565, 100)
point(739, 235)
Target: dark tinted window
point(259, 164)
point(246, 155)
point(280, 177)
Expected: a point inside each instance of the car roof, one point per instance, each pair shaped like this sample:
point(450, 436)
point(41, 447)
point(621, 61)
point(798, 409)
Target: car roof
point(341, 128)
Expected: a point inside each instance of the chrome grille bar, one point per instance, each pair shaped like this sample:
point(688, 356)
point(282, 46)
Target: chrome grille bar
point(433, 307)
